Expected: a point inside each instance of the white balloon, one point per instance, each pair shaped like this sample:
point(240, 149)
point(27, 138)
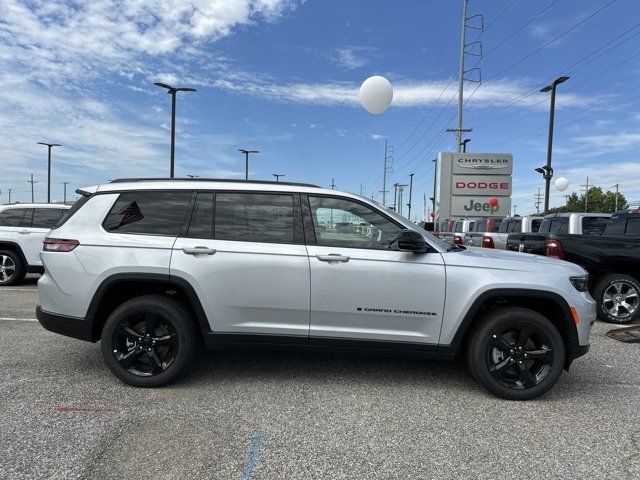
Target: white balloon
point(561, 184)
point(376, 94)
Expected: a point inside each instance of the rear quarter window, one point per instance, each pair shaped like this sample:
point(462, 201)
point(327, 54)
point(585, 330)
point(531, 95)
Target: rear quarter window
point(148, 213)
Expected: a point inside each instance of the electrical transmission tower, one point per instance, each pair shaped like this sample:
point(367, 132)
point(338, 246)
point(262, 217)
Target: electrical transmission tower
point(538, 198)
point(473, 48)
point(387, 169)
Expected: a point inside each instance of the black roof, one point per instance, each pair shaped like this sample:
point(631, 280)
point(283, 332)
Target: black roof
point(226, 180)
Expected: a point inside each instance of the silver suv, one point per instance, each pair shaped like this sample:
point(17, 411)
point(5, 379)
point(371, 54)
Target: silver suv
point(22, 230)
point(152, 267)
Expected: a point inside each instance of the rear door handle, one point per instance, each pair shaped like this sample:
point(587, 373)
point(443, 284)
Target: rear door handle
point(199, 251)
point(24, 232)
point(333, 257)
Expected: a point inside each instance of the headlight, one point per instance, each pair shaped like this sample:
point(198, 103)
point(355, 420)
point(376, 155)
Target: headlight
point(581, 283)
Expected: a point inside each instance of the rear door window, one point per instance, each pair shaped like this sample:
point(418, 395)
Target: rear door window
point(594, 225)
point(46, 217)
point(148, 213)
point(480, 226)
point(201, 225)
point(457, 227)
point(616, 225)
point(254, 217)
point(633, 227)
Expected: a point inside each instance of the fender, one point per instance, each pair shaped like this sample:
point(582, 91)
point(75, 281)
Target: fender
point(571, 342)
point(201, 316)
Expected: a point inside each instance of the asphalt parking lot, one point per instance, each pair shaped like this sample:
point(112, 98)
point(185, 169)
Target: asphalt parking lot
point(284, 415)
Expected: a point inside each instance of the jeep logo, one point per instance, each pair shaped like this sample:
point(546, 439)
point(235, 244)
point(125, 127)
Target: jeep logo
point(478, 207)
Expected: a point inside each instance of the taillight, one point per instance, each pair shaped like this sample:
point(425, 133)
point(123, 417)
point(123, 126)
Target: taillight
point(59, 245)
point(487, 242)
point(554, 249)
point(457, 240)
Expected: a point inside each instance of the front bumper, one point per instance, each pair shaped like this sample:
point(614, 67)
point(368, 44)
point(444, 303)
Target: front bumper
point(80, 328)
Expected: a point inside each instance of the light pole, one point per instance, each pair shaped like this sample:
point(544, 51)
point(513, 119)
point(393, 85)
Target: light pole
point(11, 190)
point(278, 175)
point(547, 171)
point(49, 146)
point(464, 144)
point(172, 90)
point(246, 161)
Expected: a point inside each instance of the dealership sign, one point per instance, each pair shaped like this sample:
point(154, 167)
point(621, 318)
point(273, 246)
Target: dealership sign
point(479, 206)
point(481, 185)
point(466, 181)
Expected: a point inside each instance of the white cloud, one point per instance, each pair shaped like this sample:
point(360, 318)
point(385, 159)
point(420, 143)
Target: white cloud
point(350, 57)
point(406, 93)
point(57, 58)
point(376, 136)
point(612, 142)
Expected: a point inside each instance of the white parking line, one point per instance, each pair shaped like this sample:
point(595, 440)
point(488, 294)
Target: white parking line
point(13, 319)
point(19, 290)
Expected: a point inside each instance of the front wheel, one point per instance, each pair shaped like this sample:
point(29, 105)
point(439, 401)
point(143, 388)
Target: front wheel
point(618, 298)
point(148, 341)
point(516, 353)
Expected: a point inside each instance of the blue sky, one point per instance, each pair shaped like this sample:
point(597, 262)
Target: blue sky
point(282, 77)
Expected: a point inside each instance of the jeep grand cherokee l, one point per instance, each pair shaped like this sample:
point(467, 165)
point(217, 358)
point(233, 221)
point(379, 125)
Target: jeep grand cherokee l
point(151, 267)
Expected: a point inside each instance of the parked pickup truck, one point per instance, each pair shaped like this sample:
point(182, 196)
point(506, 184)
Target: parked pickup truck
point(455, 236)
point(612, 260)
point(499, 239)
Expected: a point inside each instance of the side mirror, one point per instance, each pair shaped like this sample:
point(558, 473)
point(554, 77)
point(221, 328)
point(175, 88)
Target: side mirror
point(411, 241)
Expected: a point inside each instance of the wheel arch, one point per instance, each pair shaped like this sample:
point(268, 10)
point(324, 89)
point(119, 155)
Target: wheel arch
point(15, 247)
point(549, 304)
point(120, 287)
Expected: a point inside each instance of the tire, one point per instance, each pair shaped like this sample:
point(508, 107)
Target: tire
point(149, 341)
point(499, 359)
point(618, 298)
point(12, 268)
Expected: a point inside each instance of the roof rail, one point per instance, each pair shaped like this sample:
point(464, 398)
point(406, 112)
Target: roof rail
point(225, 180)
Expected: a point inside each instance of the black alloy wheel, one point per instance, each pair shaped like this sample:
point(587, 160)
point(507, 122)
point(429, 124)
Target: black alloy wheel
point(516, 353)
point(148, 341)
point(519, 357)
point(145, 343)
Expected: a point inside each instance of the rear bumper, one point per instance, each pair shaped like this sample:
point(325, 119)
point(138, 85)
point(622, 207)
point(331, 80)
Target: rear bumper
point(80, 328)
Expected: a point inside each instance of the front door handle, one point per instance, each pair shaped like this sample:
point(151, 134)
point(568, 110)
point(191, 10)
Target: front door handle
point(333, 257)
point(199, 251)
point(24, 232)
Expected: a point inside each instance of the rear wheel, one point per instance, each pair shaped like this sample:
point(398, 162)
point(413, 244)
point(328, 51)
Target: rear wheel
point(148, 341)
point(618, 298)
point(12, 268)
point(516, 353)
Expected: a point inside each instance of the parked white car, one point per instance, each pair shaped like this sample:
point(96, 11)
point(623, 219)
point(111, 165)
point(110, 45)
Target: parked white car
point(152, 267)
point(22, 231)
